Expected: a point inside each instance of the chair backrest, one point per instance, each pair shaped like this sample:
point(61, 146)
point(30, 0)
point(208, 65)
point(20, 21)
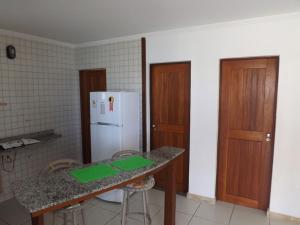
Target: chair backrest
point(60, 165)
point(124, 153)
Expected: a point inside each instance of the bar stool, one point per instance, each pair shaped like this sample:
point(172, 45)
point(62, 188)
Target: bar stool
point(143, 186)
point(73, 209)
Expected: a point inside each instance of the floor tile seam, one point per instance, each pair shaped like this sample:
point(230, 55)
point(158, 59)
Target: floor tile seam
point(231, 215)
point(188, 214)
point(190, 220)
point(110, 210)
point(116, 215)
point(210, 220)
point(155, 214)
point(120, 213)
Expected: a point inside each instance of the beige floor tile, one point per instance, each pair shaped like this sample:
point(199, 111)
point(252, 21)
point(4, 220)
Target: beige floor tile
point(218, 212)
point(186, 205)
point(157, 197)
point(111, 206)
point(248, 216)
point(137, 206)
point(104, 213)
point(99, 216)
point(117, 221)
point(136, 196)
point(200, 221)
point(181, 218)
point(282, 221)
point(249, 210)
point(225, 204)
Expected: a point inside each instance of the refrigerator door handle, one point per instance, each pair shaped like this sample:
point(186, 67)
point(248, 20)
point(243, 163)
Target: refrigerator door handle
point(107, 124)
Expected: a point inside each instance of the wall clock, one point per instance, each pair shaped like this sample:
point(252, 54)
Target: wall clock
point(11, 52)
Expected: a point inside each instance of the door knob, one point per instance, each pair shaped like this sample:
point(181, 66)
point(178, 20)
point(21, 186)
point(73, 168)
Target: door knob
point(268, 137)
point(153, 125)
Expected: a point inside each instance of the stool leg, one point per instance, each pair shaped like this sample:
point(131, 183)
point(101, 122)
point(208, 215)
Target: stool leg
point(145, 208)
point(74, 218)
point(83, 215)
point(148, 209)
point(124, 210)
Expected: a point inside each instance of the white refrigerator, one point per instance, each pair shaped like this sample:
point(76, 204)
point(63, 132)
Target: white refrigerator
point(115, 123)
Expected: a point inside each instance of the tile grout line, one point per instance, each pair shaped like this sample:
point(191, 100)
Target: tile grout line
point(233, 209)
point(190, 220)
point(112, 219)
point(120, 213)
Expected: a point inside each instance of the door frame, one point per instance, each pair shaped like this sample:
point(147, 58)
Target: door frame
point(144, 94)
point(86, 156)
point(189, 114)
point(274, 117)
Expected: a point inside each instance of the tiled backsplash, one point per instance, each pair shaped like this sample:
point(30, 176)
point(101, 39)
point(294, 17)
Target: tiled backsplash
point(39, 90)
point(122, 61)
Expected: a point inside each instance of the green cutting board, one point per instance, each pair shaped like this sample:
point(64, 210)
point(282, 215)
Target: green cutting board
point(93, 173)
point(132, 163)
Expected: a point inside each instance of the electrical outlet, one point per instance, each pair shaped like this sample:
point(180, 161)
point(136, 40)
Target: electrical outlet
point(8, 161)
point(7, 158)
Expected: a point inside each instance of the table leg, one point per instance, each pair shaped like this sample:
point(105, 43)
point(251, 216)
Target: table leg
point(39, 220)
point(170, 194)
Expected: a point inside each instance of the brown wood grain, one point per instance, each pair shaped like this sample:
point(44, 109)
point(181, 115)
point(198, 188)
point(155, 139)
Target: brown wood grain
point(39, 220)
point(90, 80)
point(0, 183)
point(170, 194)
point(248, 93)
point(170, 114)
point(144, 102)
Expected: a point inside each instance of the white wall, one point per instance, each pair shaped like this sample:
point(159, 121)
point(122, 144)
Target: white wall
point(205, 46)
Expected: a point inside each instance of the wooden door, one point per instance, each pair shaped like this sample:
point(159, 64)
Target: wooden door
point(170, 115)
point(90, 80)
point(246, 130)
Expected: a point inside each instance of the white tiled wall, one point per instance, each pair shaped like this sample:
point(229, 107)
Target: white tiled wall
point(122, 61)
point(41, 90)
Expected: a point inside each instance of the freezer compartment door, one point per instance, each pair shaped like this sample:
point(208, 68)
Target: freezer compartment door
point(105, 107)
point(105, 141)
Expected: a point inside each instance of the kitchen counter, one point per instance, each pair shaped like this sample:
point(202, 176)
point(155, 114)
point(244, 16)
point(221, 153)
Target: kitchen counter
point(37, 194)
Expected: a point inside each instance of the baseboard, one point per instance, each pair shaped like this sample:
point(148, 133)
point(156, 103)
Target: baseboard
point(283, 216)
point(269, 213)
point(202, 198)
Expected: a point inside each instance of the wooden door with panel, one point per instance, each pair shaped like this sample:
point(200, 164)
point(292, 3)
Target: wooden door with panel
point(170, 115)
point(246, 130)
point(90, 80)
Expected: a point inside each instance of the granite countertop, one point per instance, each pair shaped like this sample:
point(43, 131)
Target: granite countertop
point(42, 136)
point(42, 192)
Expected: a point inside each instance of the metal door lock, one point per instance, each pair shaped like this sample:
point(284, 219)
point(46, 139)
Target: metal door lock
point(268, 138)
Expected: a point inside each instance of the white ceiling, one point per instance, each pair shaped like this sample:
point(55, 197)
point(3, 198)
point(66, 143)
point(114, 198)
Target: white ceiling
point(79, 21)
